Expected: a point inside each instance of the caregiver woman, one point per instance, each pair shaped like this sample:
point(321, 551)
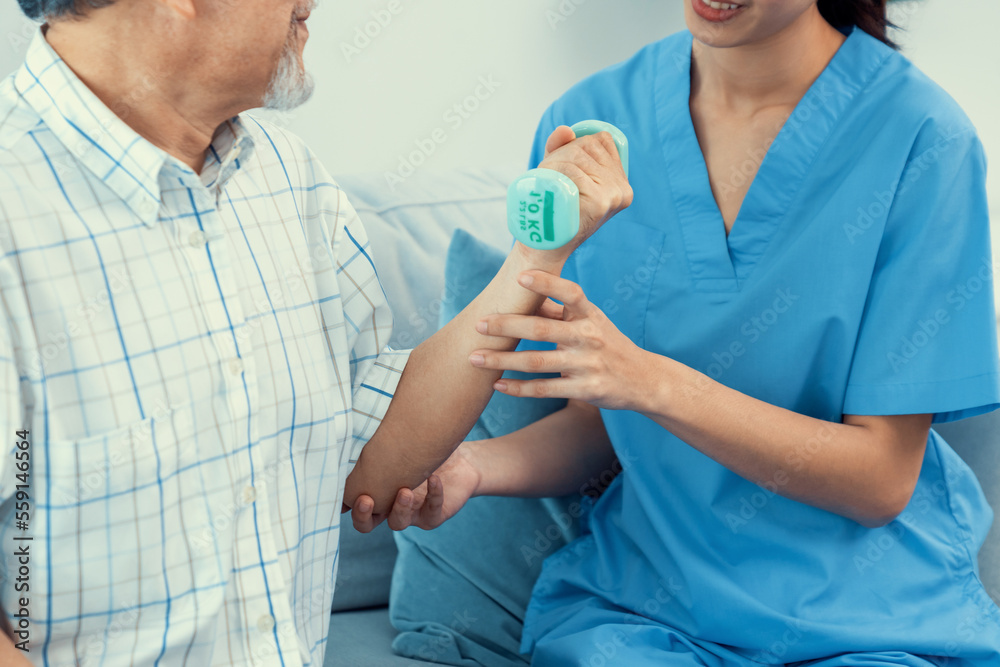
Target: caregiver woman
point(802, 287)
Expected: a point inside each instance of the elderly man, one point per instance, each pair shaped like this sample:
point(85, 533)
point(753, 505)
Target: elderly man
point(193, 340)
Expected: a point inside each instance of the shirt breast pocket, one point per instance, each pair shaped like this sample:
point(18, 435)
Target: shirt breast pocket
point(616, 267)
point(125, 464)
point(123, 511)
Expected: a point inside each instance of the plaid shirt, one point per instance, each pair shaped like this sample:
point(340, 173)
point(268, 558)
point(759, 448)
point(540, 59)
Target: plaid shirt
point(198, 361)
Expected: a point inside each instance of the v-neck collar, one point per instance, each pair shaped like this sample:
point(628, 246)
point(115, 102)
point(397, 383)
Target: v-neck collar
point(717, 263)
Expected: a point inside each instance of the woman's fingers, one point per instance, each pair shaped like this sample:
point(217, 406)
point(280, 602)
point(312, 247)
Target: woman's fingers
point(545, 388)
point(528, 327)
point(551, 310)
point(422, 507)
point(569, 293)
point(361, 515)
point(432, 513)
point(526, 361)
point(547, 324)
point(401, 515)
point(426, 502)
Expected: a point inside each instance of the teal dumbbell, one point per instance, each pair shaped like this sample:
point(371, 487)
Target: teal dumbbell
point(543, 206)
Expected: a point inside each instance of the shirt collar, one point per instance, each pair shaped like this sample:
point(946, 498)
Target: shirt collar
point(104, 144)
point(232, 145)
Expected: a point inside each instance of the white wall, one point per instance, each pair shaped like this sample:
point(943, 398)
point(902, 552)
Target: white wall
point(370, 107)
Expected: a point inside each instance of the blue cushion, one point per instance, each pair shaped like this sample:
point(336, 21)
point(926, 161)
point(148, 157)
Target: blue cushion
point(459, 593)
point(366, 562)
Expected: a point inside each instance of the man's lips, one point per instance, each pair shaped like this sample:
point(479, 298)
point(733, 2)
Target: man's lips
point(302, 14)
point(300, 26)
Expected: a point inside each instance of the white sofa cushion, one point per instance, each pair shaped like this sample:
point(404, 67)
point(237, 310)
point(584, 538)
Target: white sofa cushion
point(410, 226)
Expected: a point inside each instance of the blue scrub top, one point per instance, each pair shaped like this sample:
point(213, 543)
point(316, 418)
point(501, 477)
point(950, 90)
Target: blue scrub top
point(857, 279)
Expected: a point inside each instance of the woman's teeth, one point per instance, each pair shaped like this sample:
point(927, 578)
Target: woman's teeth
point(719, 5)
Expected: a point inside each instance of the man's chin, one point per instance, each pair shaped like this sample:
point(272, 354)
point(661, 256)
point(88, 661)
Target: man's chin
point(290, 87)
point(290, 100)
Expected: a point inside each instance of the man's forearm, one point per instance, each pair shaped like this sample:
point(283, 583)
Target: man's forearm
point(10, 656)
point(440, 394)
point(563, 453)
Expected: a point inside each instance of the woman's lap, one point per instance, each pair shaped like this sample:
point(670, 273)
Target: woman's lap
point(887, 659)
point(598, 634)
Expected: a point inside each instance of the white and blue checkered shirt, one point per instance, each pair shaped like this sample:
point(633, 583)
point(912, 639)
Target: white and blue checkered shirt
point(198, 360)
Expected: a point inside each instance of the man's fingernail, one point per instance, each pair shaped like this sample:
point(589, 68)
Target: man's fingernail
point(482, 327)
point(405, 501)
point(500, 385)
point(525, 279)
point(365, 506)
point(477, 359)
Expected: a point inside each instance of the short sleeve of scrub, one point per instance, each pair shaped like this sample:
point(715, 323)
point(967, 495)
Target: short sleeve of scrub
point(927, 341)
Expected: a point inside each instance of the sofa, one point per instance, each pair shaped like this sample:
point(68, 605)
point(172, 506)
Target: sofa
point(410, 225)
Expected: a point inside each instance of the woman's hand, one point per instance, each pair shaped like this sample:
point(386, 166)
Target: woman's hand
point(599, 364)
point(430, 504)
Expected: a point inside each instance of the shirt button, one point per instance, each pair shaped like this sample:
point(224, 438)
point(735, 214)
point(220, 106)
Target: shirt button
point(197, 239)
point(265, 623)
point(236, 366)
point(148, 207)
point(249, 494)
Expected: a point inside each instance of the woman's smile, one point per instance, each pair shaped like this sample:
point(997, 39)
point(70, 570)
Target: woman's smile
point(716, 12)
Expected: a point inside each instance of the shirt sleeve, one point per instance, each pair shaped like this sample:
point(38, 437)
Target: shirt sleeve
point(12, 414)
point(928, 336)
point(375, 367)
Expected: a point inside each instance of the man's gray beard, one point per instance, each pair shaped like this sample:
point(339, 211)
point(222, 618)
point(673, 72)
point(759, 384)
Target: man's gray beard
point(290, 86)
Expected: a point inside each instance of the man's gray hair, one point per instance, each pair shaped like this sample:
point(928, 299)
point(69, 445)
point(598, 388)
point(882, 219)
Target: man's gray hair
point(48, 9)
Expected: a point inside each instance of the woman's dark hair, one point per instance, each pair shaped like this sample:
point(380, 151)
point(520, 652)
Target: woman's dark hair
point(869, 15)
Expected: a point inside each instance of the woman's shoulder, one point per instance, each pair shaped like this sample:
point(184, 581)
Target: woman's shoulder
point(912, 101)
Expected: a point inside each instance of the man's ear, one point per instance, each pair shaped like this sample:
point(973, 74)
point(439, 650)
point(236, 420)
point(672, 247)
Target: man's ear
point(186, 9)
